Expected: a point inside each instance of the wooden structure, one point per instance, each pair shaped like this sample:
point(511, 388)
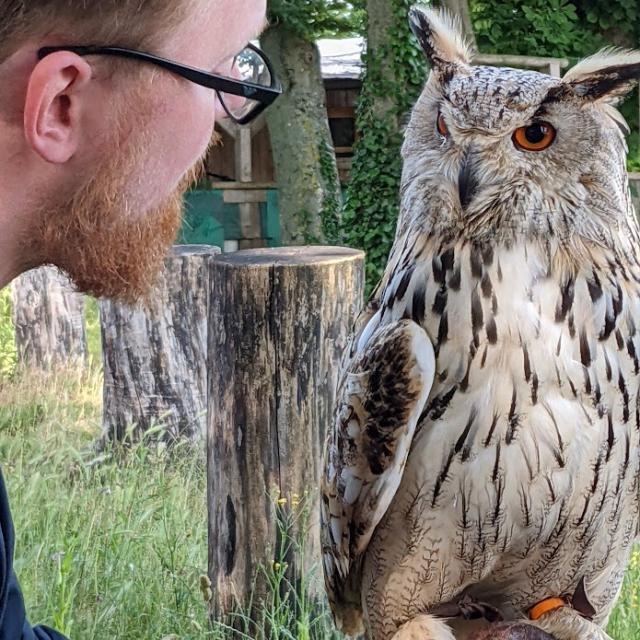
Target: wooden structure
point(241, 166)
point(342, 69)
point(552, 66)
point(48, 316)
point(242, 169)
point(279, 322)
point(155, 357)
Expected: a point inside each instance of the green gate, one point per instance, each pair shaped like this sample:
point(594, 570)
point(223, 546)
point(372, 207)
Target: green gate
point(208, 219)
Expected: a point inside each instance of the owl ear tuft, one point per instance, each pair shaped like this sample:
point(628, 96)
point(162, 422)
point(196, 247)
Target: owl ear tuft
point(440, 37)
point(606, 76)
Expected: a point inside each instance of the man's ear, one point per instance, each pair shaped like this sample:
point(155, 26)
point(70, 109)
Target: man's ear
point(605, 76)
point(53, 105)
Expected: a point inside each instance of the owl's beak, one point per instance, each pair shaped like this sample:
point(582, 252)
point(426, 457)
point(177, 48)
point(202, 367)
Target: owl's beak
point(467, 179)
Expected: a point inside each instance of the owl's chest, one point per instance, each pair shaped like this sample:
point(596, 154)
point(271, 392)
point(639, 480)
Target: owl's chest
point(530, 442)
point(537, 369)
point(484, 310)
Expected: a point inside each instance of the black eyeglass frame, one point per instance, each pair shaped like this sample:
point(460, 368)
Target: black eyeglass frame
point(220, 84)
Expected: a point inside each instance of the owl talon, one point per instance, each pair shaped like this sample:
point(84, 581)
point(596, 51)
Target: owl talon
point(468, 609)
point(472, 610)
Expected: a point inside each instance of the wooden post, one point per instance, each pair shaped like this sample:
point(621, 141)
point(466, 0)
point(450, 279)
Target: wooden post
point(554, 68)
point(279, 322)
point(49, 320)
point(244, 162)
point(530, 62)
point(155, 358)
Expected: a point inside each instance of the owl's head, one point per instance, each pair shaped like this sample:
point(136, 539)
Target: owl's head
point(498, 151)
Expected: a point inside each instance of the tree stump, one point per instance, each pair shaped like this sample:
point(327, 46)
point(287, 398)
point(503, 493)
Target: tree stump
point(155, 357)
point(279, 322)
point(48, 316)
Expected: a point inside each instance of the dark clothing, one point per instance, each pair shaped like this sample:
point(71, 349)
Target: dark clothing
point(13, 621)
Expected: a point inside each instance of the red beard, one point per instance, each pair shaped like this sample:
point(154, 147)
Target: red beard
point(108, 249)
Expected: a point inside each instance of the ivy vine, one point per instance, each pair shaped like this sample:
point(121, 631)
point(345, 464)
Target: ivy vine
point(536, 28)
point(313, 19)
point(330, 215)
point(395, 75)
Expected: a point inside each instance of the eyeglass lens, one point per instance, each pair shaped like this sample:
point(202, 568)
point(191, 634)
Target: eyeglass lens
point(248, 67)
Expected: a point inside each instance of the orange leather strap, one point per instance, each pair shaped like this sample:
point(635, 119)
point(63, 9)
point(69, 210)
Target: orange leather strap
point(550, 604)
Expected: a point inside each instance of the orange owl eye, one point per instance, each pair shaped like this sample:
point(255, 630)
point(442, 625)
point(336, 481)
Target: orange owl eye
point(442, 126)
point(535, 137)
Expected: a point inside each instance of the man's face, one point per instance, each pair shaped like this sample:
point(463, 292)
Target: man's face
point(111, 231)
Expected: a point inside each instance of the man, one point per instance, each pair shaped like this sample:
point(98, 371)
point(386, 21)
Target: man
point(103, 118)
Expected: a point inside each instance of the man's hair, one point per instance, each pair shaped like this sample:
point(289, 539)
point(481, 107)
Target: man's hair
point(132, 23)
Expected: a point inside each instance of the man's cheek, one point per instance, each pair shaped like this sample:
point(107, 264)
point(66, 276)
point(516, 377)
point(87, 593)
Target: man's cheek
point(188, 142)
point(205, 126)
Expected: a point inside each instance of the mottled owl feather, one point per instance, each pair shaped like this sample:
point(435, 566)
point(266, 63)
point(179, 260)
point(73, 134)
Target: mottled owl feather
point(381, 395)
point(608, 74)
point(516, 262)
point(440, 35)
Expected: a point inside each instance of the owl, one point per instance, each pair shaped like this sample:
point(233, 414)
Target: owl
point(484, 460)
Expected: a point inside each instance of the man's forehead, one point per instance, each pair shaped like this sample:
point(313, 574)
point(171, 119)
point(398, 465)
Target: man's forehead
point(218, 30)
point(243, 24)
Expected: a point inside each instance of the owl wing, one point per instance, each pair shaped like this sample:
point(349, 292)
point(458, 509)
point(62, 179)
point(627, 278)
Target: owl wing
point(381, 394)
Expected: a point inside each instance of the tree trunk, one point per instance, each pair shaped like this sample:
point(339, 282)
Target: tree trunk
point(279, 324)
point(380, 18)
point(460, 8)
point(304, 159)
point(49, 320)
point(155, 358)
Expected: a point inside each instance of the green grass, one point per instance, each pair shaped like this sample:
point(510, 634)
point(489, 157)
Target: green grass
point(624, 623)
point(107, 548)
point(115, 545)
point(7, 342)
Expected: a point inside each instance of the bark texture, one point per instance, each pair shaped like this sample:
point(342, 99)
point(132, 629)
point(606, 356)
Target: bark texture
point(49, 320)
point(380, 20)
point(279, 324)
point(155, 357)
point(304, 160)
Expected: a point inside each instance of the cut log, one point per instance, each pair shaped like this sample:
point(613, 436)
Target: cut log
point(48, 315)
point(155, 357)
point(280, 320)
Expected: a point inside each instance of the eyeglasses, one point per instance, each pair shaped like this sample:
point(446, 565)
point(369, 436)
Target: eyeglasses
point(244, 95)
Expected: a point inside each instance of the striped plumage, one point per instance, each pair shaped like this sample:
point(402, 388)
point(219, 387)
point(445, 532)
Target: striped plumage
point(507, 471)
